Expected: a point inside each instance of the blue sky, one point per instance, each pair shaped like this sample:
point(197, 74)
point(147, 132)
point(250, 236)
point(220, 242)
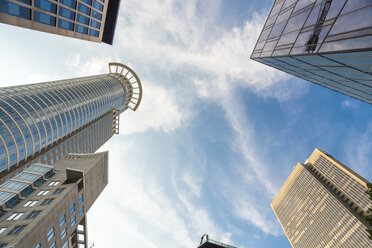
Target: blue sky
point(216, 135)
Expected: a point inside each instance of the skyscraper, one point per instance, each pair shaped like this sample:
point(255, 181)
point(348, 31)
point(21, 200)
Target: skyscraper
point(206, 242)
point(92, 20)
point(325, 42)
point(46, 207)
point(322, 204)
point(41, 123)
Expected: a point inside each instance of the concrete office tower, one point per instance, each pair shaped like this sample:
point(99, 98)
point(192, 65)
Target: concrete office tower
point(92, 20)
point(206, 242)
point(322, 203)
point(41, 123)
point(325, 42)
point(45, 206)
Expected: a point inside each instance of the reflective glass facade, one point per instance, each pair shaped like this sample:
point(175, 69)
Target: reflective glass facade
point(46, 121)
point(326, 42)
point(35, 116)
point(84, 19)
point(322, 203)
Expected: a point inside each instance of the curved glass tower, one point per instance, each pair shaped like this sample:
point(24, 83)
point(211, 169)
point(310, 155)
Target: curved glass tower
point(45, 121)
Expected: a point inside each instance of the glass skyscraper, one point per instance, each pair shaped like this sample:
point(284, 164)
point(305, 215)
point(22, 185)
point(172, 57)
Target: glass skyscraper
point(322, 204)
point(41, 123)
point(50, 175)
point(93, 20)
point(325, 42)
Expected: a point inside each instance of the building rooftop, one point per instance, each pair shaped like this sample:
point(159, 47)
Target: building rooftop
point(206, 242)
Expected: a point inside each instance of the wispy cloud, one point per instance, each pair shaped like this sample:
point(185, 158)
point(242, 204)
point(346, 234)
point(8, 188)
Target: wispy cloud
point(160, 110)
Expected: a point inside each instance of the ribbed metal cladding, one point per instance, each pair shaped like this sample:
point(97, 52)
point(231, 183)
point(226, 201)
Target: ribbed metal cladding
point(35, 116)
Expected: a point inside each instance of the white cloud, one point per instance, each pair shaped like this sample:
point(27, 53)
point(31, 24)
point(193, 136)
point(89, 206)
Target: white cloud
point(159, 110)
point(216, 64)
point(358, 150)
point(140, 211)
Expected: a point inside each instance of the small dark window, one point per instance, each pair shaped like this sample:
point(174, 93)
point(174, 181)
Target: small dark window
point(46, 202)
point(33, 214)
point(16, 230)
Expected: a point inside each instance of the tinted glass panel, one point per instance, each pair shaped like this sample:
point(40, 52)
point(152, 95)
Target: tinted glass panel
point(97, 5)
point(352, 21)
point(70, 3)
point(296, 22)
point(94, 33)
point(25, 1)
point(84, 9)
point(355, 4)
point(95, 24)
point(14, 9)
point(87, 1)
point(96, 15)
point(83, 19)
point(66, 13)
point(44, 18)
point(46, 5)
point(81, 29)
point(65, 24)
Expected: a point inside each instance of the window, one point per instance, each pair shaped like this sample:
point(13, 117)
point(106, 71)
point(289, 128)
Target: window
point(81, 211)
point(58, 191)
point(46, 202)
point(82, 30)
point(2, 229)
point(53, 183)
point(16, 230)
point(30, 203)
point(50, 234)
point(46, 5)
point(14, 9)
point(53, 245)
point(63, 234)
point(65, 24)
point(62, 220)
point(73, 221)
point(43, 192)
point(70, 3)
point(96, 15)
point(93, 32)
point(65, 245)
point(72, 209)
point(84, 9)
point(15, 216)
point(33, 214)
point(83, 19)
point(97, 5)
point(80, 199)
point(38, 246)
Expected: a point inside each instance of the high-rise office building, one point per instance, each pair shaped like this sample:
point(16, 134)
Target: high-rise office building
point(41, 123)
point(92, 20)
point(46, 207)
point(206, 242)
point(322, 204)
point(325, 42)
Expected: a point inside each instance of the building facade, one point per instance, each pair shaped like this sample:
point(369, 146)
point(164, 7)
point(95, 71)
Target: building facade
point(322, 205)
point(206, 242)
point(92, 20)
point(326, 42)
point(41, 123)
point(46, 207)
